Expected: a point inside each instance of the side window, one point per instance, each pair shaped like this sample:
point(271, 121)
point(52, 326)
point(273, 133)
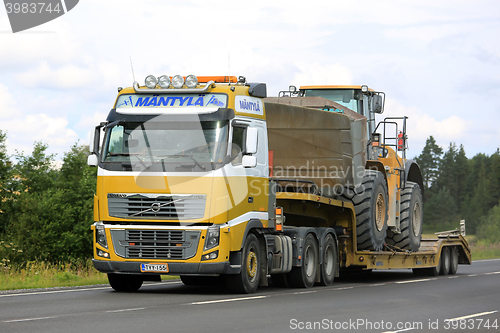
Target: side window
point(238, 146)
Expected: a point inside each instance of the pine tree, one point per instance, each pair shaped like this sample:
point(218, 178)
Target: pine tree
point(429, 161)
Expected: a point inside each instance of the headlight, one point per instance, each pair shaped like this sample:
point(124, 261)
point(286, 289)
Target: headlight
point(191, 81)
point(150, 81)
point(100, 235)
point(213, 234)
point(178, 81)
point(164, 81)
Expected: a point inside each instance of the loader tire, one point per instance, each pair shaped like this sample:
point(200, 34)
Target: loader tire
point(411, 219)
point(371, 207)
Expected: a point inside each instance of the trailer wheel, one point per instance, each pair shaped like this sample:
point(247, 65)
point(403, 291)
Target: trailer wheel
point(445, 261)
point(305, 275)
point(329, 265)
point(454, 260)
point(371, 207)
point(247, 281)
point(125, 283)
point(411, 219)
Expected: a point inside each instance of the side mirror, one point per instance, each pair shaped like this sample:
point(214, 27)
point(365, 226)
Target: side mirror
point(92, 160)
point(251, 142)
point(377, 104)
point(249, 161)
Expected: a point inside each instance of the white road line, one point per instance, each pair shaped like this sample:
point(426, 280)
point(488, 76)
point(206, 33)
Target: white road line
point(74, 290)
point(412, 281)
point(305, 292)
point(26, 319)
point(376, 285)
point(472, 316)
point(227, 300)
point(124, 310)
point(485, 260)
point(491, 273)
point(472, 275)
point(345, 288)
point(452, 277)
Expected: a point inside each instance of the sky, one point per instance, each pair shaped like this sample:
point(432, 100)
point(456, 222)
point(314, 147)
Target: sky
point(438, 62)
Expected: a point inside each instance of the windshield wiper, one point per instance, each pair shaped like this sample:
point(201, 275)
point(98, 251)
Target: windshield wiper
point(129, 154)
point(179, 155)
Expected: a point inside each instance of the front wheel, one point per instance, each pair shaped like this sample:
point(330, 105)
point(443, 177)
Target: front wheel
point(247, 281)
point(124, 282)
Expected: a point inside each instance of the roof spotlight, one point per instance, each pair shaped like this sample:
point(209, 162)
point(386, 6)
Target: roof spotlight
point(178, 81)
point(164, 81)
point(150, 81)
point(191, 81)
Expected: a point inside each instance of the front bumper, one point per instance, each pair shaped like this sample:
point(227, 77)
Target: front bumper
point(174, 268)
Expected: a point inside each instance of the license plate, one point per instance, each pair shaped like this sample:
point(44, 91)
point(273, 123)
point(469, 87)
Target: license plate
point(162, 268)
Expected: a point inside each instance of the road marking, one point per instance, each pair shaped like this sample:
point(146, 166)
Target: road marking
point(227, 300)
point(412, 281)
point(376, 285)
point(472, 275)
point(485, 260)
point(472, 316)
point(26, 319)
point(123, 310)
point(83, 289)
point(491, 273)
point(345, 288)
point(403, 330)
point(305, 292)
point(452, 277)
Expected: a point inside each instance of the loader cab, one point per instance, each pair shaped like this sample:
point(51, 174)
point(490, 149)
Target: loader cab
point(359, 99)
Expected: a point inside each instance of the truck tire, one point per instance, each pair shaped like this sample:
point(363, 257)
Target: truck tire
point(445, 261)
point(454, 260)
point(411, 219)
point(371, 207)
point(247, 281)
point(305, 275)
point(329, 265)
point(124, 282)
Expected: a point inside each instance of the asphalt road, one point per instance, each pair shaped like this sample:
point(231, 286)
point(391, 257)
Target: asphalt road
point(390, 301)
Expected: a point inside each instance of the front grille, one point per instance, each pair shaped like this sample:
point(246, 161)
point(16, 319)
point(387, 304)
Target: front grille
point(156, 244)
point(156, 206)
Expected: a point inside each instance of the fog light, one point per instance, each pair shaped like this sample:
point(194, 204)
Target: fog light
point(210, 256)
point(103, 254)
point(178, 81)
point(150, 81)
point(191, 81)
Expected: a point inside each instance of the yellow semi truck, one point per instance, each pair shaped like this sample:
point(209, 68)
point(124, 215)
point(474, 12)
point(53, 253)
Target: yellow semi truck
point(207, 177)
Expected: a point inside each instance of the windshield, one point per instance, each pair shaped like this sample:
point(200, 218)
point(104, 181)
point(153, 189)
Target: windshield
point(184, 146)
point(345, 97)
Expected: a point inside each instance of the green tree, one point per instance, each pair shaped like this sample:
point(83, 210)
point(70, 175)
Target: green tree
point(429, 161)
point(6, 178)
point(489, 228)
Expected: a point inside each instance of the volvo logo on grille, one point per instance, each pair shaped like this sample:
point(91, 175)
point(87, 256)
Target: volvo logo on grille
point(155, 207)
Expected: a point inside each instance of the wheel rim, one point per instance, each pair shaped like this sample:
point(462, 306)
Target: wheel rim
point(416, 219)
point(380, 212)
point(328, 261)
point(251, 264)
point(309, 261)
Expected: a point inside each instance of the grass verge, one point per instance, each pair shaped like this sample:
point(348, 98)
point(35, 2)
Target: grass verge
point(34, 274)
